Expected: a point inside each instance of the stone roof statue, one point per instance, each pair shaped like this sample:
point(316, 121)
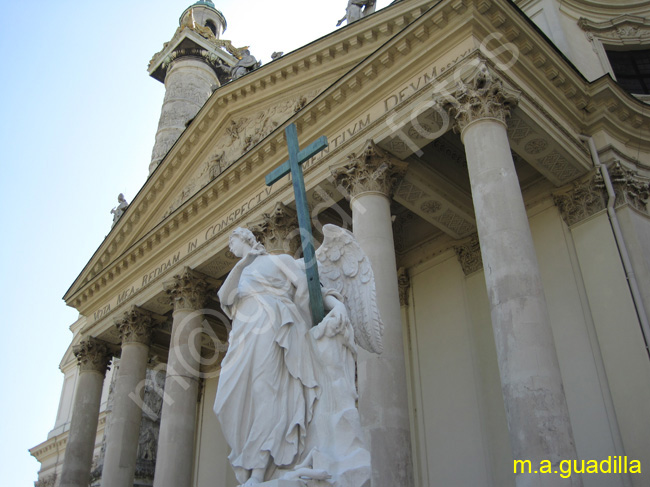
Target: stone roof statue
point(119, 210)
point(286, 394)
point(357, 9)
point(245, 65)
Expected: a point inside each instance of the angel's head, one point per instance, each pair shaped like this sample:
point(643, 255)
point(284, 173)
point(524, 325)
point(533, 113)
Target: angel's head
point(243, 241)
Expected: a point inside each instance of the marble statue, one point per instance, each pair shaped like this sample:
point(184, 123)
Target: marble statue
point(357, 9)
point(245, 65)
point(119, 210)
point(286, 394)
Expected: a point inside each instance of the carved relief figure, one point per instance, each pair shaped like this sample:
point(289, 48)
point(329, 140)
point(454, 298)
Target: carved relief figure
point(286, 395)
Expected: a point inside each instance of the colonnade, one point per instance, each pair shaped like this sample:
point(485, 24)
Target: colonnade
point(533, 393)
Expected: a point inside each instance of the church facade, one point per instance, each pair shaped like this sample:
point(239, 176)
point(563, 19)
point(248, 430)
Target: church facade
point(492, 158)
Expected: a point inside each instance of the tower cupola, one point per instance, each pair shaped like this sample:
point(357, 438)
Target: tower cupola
point(203, 14)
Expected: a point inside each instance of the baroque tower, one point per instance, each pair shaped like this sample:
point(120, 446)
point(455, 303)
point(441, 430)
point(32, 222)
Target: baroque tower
point(191, 65)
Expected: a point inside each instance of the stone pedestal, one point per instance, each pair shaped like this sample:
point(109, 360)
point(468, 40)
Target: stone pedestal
point(175, 459)
point(370, 179)
point(122, 441)
point(93, 357)
point(538, 417)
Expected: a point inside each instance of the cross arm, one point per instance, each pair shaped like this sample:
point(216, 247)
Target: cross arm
point(303, 156)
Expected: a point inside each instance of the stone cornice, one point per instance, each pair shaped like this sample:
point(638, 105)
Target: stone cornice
point(603, 10)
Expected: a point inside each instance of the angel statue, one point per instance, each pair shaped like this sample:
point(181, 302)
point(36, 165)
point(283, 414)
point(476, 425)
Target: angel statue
point(286, 394)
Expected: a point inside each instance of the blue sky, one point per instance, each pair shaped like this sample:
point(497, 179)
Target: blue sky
point(77, 123)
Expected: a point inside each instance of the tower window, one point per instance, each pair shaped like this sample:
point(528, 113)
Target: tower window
point(632, 70)
point(210, 25)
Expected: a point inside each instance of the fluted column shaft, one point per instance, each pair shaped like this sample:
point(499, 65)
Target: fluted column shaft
point(93, 357)
point(537, 412)
point(175, 460)
point(383, 397)
point(122, 440)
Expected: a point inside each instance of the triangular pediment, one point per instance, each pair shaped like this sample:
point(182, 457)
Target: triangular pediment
point(237, 117)
point(357, 83)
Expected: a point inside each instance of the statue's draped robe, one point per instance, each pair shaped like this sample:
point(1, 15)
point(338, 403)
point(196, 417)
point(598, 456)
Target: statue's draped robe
point(267, 386)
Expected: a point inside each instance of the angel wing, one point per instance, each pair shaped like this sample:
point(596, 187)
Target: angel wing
point(345, 268)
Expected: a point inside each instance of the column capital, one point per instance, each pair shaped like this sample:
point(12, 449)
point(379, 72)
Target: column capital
point(278, 230)
point(482, 96)
point(137, 324)
point(93, 355)
point(188, 290)
point(371, 171)
point(469, 255)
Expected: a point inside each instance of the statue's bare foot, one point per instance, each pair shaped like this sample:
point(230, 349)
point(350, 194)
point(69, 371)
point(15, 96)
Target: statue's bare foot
point(307, 473)
point(257, 476)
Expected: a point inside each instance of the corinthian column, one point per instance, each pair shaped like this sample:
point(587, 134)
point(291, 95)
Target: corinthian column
point(370, 178)
point(538, 417)
point(278, 230)
point(188, 292)
point(93, 357)
point(135, 329)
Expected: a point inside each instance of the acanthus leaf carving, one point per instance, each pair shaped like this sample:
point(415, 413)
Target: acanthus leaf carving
point(482, 96)
point(93, 355)
point(372, 170)
point(278, 230)
point(469, 255)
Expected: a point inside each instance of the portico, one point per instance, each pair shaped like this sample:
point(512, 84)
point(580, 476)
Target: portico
point(446, 160)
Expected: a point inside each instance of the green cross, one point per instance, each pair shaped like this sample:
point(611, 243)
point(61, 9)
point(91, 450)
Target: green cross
point(293, 166)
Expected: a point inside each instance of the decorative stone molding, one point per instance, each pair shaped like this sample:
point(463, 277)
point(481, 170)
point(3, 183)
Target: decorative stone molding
point(373, 170)
point(583, 199)
point(278, 230)
point(630, 188)
point(622, 30)
point(48, 481)
point(469, 255)
point(93, 355)
point(404, 284)
point(481, 96)
point(136, 326)
point(188, 290)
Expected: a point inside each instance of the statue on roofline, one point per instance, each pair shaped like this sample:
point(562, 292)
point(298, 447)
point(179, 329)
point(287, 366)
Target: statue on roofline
point(357, 9)
point(286, 395)
point(245, 65)
point(119, 210)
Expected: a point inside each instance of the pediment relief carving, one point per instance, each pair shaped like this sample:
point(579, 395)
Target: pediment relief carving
point(241, 134)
